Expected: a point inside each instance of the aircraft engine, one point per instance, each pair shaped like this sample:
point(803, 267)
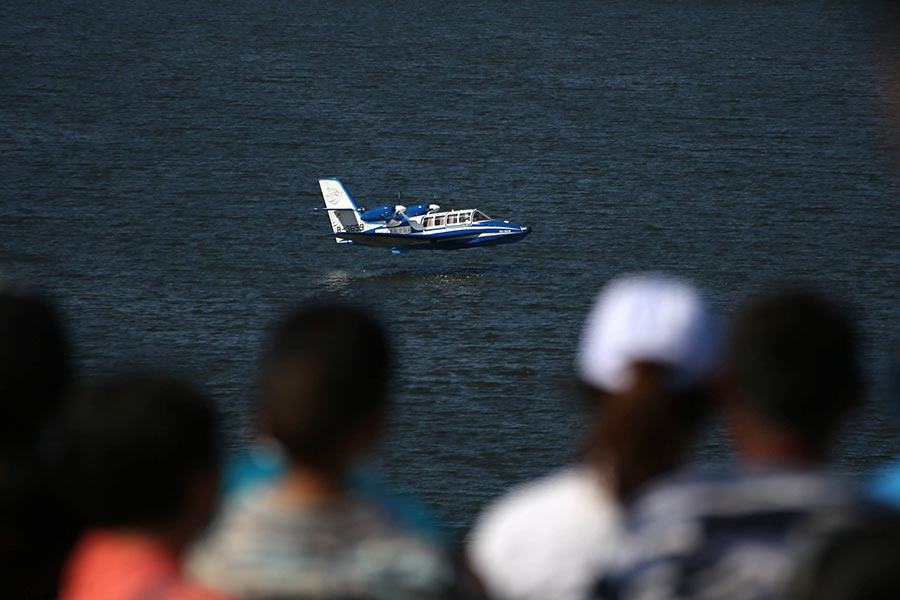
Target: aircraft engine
point(415, 211)
point(382, 213)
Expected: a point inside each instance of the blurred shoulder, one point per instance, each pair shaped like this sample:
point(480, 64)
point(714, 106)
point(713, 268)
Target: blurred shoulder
point(546, 538)
point(575, 492)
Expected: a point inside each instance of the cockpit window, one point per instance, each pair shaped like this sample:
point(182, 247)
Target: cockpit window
point(480, 216)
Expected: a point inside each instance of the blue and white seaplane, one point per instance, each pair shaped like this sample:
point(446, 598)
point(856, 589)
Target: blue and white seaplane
point(420, 227)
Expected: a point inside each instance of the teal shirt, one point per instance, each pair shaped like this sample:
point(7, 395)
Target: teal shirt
point(265, 463)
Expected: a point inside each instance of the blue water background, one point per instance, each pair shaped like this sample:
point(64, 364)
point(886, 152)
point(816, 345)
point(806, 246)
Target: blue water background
point(159, 167)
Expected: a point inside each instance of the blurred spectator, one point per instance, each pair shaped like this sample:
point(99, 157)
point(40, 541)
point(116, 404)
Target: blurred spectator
point(142, 458)
point(35, 374)
point(305, 533)
point(648, 352)
point(861, 557)
point(885, 488)
point(741, 535)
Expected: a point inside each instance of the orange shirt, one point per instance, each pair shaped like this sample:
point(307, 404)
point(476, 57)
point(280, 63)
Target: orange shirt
point(106, 565)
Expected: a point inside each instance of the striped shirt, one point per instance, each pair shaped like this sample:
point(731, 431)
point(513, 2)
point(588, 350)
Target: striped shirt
point(261, 548)
point(737, 536)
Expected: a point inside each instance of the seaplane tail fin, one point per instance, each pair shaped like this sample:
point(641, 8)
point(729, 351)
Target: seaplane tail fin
point(342, 209)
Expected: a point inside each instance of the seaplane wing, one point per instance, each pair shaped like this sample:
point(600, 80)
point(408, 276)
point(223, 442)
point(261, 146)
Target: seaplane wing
point(401, 228)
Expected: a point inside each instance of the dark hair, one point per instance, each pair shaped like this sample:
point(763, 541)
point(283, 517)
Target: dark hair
point(34, 368)
point(325, 374)
point(647, 430)
point(794, 358)
point(133, 444)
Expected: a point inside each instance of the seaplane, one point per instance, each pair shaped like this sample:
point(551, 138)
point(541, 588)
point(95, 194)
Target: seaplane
point(420, 227)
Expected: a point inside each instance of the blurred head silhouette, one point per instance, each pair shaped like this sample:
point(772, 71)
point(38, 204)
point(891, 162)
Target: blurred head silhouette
point(35, 374)
point(795, 371)
point(143, 455)
point(324, 387)
point(648, 354)
point(34, 367)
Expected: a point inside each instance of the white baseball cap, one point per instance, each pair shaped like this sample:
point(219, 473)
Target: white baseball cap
point(648, 317)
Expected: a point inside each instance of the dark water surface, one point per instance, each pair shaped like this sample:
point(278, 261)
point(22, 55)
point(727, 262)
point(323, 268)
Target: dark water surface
point(159, 166)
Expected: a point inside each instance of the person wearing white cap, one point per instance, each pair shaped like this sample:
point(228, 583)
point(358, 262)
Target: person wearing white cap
point(647, 352)
point(741, 533)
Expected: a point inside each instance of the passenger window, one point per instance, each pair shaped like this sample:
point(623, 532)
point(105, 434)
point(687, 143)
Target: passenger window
point(463, 218)
point(428, 221)
point(451, 220)
point(438, 221)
